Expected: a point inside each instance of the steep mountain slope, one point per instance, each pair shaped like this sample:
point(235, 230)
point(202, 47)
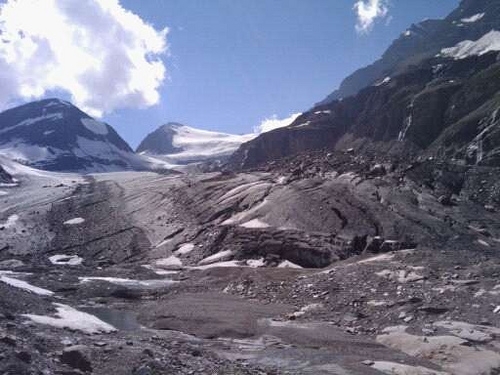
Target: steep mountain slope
point(5, 178)
point(470, 21)
point(181, 144)
point(446, 106)
point(54, 135)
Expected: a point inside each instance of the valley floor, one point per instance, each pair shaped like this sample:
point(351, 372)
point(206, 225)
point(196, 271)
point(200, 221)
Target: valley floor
point(265, 272)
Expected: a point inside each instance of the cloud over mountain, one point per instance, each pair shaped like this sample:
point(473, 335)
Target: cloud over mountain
point(368, 11)
point(103, 55)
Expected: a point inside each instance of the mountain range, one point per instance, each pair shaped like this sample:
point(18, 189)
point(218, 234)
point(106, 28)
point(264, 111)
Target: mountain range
point(364, 238)
point(434, 92)
point(469, 22)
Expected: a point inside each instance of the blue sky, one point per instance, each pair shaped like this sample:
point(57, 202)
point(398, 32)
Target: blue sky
point(230, 64)
point(234, 63)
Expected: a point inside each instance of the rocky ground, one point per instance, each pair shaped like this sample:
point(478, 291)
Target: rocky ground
point(322, 264)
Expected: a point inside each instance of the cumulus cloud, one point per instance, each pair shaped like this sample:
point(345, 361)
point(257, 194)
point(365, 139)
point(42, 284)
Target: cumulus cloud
point(103, 55)
point(368, 11)
point(274, 123)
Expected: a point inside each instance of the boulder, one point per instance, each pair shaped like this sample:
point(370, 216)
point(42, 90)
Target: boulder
point(78, 357)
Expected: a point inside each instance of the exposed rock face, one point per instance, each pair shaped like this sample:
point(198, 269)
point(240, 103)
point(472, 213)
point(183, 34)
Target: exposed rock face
point(470, 21)
point(55, 135)
point(434, 93)
point(443, 107)
point(160, 141)
point(77, 356)
point(5, 178)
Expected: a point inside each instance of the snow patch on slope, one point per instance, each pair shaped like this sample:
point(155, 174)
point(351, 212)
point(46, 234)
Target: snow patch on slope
point(94, 126)
point(197, 144)
point(75, 221)
point(68, 317)
point(474, 18)
point(34, 120)
point(10, 278)
point(11, 221)
point(66, 260)
point(487, 43)
point(25, 153)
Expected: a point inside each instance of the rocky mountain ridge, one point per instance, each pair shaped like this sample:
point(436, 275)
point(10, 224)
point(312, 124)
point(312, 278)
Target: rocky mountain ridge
point(444, 107)
point(470, 21)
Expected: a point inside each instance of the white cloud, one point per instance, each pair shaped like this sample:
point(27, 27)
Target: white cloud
point(104, 56)
point(274, 123)
point(368, 11)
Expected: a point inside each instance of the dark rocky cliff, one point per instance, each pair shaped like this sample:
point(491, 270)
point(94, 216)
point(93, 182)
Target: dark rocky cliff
point(433, 105)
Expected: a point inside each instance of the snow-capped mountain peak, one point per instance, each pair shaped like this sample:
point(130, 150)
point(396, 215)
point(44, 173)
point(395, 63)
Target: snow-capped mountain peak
point(53, 134)
point(181, 144)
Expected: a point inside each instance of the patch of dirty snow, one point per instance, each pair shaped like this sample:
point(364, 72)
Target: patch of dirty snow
point(308, 308)
point(220, 256)
point(20, 284)
point(3, 193)
point(288, 264)
point(185, 248)
point(70, 318)
point(401, 276)
point(281, 180)
point(159, 271)
point(256, 263)
point(383, 82)
point(241, 216)
point(66, 260)
point(235, 192)
point(11, 221)
point(484, 243)
point(163, 243)
point(170, 262)
point(474, 18)
point(75, 221)
point(378, 258)
point(255, 224)
point(130, 282)
point(231, 263)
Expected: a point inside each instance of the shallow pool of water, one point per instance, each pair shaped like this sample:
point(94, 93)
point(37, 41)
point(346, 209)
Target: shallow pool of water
point(120, 319)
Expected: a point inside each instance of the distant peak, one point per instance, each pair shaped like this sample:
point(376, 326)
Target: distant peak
point(172, 126)
point(53, 101)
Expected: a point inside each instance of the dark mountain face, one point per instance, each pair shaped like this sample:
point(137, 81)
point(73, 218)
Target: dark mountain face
point(470, 21)
point(446, 106)
point(55, 135)
point(5, 178)
point(160, 141)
